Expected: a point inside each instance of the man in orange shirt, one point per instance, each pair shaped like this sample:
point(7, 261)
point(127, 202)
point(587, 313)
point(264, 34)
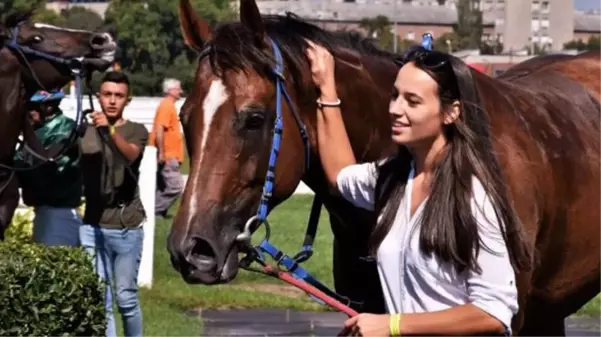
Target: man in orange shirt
point(167, 138)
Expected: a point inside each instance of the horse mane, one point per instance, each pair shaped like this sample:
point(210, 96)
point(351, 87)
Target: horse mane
point(234, 46)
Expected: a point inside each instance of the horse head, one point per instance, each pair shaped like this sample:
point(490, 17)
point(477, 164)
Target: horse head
point(229, 117)
point(47, 55)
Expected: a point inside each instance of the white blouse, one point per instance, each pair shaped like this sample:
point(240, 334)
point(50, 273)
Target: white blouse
point(414, 283)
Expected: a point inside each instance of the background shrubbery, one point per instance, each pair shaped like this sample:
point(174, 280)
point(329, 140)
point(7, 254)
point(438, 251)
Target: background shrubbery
point(47, 291)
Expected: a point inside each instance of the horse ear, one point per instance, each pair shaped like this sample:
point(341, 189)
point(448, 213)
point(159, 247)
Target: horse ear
point(251, 19)
point(195, 30)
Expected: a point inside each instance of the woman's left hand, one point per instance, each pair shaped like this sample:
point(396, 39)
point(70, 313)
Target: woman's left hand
point(369, 325)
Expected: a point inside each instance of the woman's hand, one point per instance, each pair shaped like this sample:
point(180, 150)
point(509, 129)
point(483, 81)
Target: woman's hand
point(322, 67)
point(368, 325)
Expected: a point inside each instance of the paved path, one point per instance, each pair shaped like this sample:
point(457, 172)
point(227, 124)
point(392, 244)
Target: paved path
point(273, 322)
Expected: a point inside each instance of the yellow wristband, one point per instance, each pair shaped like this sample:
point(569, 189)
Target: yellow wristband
point(112, 130)
point(395, 324)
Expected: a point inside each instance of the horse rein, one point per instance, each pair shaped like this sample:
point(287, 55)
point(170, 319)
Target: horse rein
point(288, 269)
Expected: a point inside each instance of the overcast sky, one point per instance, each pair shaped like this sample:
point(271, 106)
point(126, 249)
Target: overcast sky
point(587, 4)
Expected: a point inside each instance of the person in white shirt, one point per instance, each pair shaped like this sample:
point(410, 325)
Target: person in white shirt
point(447, 241)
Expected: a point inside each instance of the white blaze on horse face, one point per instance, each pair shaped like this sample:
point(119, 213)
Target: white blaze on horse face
point(215, 98)
point(46, 26)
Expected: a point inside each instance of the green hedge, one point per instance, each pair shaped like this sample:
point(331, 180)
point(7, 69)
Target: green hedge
point(47, 291)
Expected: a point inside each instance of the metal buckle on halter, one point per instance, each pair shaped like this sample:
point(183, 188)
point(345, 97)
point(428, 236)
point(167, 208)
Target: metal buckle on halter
point(76, 65)
point(246, 234)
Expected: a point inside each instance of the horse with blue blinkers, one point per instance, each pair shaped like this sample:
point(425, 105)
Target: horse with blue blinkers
point(36, 56)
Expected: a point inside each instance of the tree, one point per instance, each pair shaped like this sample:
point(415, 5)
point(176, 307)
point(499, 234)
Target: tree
point(468, 28)
point(593, 43)
point(575, 44)
point(78, 17)
point(440, 43)
point(150, 43)
point(41, 14)
point(376, 26)
point(8, 7)
point(380, 28)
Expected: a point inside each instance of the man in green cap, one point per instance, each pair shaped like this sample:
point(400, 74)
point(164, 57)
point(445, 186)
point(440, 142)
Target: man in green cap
point(54, 188)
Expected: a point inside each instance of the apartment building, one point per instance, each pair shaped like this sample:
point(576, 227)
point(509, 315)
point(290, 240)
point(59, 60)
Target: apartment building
point(523, 23)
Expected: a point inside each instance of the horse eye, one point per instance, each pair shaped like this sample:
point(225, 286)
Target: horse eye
point(254, 120)
point(37, 38)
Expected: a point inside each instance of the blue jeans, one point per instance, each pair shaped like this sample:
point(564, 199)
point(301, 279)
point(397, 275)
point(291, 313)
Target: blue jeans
point(117, 254)
point(54, 226)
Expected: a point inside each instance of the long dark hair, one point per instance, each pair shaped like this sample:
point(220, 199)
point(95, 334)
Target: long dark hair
point(449, 229)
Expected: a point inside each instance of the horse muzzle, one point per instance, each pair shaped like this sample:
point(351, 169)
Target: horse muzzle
point(201, 261)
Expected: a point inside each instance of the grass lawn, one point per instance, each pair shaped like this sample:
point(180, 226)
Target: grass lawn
point(170, 297)
point(165, 305)
point(185, 164)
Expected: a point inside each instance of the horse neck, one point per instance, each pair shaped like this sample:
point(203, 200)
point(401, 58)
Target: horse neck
point(365, 90)
point(12, 105)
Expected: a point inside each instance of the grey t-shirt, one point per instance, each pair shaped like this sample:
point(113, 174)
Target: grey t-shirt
point(111, 190)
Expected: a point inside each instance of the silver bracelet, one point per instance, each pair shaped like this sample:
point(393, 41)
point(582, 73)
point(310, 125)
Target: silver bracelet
point(321, 104)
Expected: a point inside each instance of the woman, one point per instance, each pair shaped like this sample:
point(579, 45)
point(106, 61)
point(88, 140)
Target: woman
point(446, 263)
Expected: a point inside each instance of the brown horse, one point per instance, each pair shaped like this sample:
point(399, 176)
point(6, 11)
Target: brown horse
point(544, 117)
point(35, 56)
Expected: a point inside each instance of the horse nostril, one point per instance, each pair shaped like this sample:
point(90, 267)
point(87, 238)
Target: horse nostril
point(202, 247)
point(202, 254)
point(100, 40)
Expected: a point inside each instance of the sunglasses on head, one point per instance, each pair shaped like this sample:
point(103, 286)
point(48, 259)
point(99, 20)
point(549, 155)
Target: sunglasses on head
point(423, 57)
